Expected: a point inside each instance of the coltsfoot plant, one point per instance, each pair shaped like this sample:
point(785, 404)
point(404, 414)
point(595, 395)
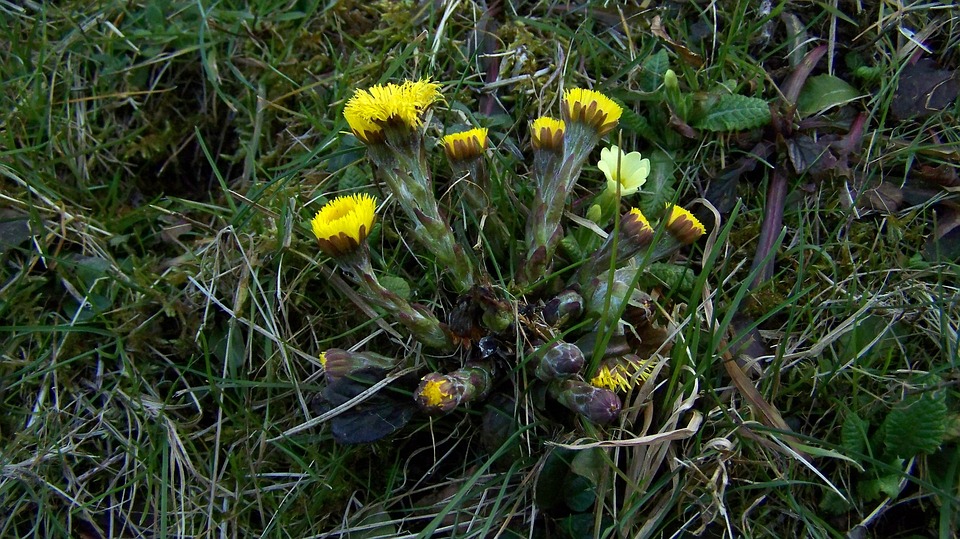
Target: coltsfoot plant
point(520, 304)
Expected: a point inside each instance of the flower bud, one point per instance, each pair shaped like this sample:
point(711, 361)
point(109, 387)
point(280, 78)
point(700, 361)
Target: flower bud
point(441, 393)
point(559, 360)
point(597, 405)
point(565, 307)
point(339, 363)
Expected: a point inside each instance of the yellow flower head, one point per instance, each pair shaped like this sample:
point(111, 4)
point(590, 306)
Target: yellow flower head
point(323, 359)
point(368, 111)
point(638, 216)
point(592, 108)
point(624, 375)
point(629, 170)
point(465, 145)
point(343, 223)
point(683, 225)
point(438, 393)
point(546, 133)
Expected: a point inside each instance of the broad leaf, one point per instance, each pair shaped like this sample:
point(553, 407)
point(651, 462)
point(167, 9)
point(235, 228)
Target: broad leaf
point(853, 433)
point(659, 187)
point(733, 112)
point(916, 425)
point(652, 70)
point(823, 92)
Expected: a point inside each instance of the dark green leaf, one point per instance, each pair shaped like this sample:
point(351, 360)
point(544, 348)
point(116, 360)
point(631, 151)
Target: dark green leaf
point(652, 70)
point(733, 112)
point(659, 187)
point(853, 433)
point(916, 425)
point(578, 492)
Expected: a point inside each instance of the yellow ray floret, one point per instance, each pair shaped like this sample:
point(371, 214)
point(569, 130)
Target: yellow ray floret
point(344, 222)
point(547, 133)
point(433, 395)
point(465, 145)
point(639, 216)
point(368, 111)
point(683, 225)
point(592, 108)
point(622, 376)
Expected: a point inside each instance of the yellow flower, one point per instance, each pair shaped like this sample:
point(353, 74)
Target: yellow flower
point(592, 108)
point(438, 393)
point(368, 111)
point(683, 225)
point(622, 376)
point(343, 223)
point(638, 216)
point(465, 145)
point(547, 133)
point(629, 170)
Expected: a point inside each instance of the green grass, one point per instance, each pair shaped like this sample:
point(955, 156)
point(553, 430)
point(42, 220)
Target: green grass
point(163, 304)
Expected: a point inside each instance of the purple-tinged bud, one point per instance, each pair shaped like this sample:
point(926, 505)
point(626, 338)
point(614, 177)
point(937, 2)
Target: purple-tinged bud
point(441, 393)
point(565, 307)
point(559, 360)
point(597, 405)
point(338, 363)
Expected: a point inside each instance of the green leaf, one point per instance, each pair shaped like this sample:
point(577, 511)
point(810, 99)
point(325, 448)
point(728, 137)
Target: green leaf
point(888, 485)
point(834, 503)
point(652, 70)
point(397, 285)
point(589, 463)
point(822, 93)
point(916, 425)
point(549, 495)
point(733, 112)
point(659, 187)
point(678, 278)
point(578, 493)
point(853, 433)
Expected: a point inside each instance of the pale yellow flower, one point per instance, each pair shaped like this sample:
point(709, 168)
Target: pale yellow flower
point(368, 111)
point(342, 224)
point(629, 170)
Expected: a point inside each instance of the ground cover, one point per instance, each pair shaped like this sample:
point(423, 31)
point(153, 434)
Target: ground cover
point(166, 308)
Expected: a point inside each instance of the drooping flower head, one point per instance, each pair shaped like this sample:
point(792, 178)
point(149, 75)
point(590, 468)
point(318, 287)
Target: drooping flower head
point(546, 133)
point(369, 111)
point(342, 224)
point(592, 108)
point(466, 145)
point(683, 226)
point(629, 170)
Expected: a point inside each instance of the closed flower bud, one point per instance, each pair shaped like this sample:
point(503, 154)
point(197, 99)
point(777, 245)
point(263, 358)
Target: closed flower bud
point(563, 308)
point(597, 405)
point(339, 363)
point(559, 360)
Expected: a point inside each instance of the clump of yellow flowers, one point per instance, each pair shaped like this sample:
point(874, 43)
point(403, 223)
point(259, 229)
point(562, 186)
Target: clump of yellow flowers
point(497, 250)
